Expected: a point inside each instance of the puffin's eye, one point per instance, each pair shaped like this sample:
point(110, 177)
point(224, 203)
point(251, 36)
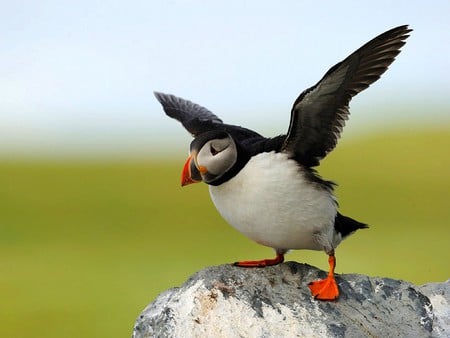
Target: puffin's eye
point(213, 150)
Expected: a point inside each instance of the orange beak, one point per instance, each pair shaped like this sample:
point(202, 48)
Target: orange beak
point(186, 175)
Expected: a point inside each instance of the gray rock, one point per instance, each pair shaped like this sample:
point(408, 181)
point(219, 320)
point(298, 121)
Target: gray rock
point(439, 295)
point(228, 301)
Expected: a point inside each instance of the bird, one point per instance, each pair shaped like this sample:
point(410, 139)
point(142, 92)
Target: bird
point(268, 188)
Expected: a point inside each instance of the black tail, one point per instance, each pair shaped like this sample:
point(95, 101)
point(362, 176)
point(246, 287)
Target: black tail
point(346, 225)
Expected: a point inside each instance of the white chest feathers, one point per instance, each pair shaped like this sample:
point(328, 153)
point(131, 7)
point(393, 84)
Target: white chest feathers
point(271, 202)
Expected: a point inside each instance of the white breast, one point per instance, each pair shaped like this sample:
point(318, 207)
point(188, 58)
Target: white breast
point(272, 203)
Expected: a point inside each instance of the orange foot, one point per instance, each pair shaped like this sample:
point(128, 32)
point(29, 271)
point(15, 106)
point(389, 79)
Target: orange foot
point(324, 289)
point(262, 263)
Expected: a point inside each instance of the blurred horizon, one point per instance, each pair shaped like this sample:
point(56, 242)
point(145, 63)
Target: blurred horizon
point(145, 148)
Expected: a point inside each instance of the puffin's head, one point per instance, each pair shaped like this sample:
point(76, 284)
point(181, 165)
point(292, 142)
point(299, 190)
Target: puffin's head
point(212, 155)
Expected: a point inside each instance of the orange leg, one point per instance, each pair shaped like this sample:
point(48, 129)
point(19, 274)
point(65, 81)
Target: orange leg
point(262, 263)
point(326, 289)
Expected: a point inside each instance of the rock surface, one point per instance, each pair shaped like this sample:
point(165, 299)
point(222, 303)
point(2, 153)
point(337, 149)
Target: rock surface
point(228, 301)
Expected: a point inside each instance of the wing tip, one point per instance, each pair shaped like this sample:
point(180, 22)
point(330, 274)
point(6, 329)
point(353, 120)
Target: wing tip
point(162, 97)
point(401, 32)
point(404, 27)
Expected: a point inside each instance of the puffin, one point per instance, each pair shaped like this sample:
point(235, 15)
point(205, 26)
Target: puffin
point(267, 187)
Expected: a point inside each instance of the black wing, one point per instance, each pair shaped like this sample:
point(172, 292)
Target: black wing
point(319, 113)
point(195, 118)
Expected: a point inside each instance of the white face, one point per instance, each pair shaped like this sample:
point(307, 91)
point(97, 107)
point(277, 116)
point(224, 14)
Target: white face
point(217, 156)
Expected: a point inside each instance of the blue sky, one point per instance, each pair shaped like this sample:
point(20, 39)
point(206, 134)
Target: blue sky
point(79, 75)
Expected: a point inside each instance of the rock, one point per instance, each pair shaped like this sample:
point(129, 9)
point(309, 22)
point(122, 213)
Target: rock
point(439, 296)
point(228, 301)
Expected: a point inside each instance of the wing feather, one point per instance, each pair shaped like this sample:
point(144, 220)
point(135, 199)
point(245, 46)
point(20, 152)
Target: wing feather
point(318, 115)
point(195, 118)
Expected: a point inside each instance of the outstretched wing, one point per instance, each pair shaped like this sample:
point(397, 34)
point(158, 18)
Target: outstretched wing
point(195, 118)
point(319, 113)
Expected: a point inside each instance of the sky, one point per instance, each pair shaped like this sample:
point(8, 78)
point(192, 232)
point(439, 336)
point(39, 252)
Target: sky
point(78, 76)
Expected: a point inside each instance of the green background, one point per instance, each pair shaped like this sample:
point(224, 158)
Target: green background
point(86, 245)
